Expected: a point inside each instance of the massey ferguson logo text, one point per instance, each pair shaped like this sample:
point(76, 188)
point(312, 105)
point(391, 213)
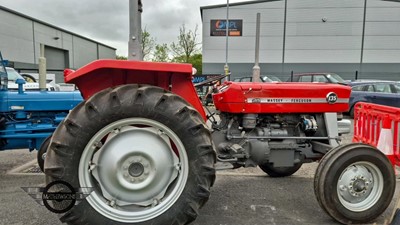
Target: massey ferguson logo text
point(331, 98)
point(281, 100)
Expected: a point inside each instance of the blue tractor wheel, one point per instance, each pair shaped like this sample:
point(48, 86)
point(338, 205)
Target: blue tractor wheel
point(42, 152)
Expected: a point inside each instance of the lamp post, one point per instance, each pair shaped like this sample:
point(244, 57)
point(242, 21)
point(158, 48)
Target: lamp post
point(135, 30)
point(226, 67)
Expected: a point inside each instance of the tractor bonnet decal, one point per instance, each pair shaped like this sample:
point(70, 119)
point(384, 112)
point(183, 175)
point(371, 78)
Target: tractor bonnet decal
point(331, 98)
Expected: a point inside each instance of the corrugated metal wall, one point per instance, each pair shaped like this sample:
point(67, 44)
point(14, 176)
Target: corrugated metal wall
point(21, 36)
point(16, 37)
point(320, 36)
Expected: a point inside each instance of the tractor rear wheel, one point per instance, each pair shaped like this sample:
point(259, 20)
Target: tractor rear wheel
point(145, 152)
point(354, 183)
point(280, 171)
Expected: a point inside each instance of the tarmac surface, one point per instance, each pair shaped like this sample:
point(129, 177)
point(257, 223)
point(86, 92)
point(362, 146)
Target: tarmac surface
point(239, 197)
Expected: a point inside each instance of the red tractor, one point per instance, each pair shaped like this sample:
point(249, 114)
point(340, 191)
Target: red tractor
point(140, 141)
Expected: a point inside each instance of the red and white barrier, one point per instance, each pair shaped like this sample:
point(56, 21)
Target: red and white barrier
point(378, 125)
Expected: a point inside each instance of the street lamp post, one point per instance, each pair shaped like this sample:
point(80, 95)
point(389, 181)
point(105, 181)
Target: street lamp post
point(226, 67)
point(135, 30)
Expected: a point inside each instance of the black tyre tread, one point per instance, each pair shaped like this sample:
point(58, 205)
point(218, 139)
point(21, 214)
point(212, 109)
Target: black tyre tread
point(147, 101)
point(322, 173)
point(269, 169)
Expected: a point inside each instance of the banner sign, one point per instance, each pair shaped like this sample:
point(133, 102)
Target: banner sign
point(200, 78)
point(218, 27)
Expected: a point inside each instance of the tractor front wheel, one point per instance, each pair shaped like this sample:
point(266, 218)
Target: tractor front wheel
point(354, 183)
point(145, 153)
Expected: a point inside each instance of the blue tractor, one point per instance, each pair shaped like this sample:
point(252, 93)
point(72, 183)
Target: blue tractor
point(28, 118)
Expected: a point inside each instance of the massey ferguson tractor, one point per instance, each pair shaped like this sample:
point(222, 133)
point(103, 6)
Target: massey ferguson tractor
point(140, 141)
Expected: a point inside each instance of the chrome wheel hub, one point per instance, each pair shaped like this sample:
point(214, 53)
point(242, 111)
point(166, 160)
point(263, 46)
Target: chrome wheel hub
point(137, 164)
point(136, 169)
point(360, 186)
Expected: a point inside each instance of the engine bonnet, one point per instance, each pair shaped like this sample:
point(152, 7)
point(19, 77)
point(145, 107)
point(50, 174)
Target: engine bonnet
point(247, 97)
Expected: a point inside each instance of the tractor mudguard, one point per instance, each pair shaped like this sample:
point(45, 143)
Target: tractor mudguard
point(103, 74)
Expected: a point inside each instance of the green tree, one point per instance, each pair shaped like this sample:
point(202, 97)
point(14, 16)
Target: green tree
point(148, 44)
point(121, 57)
point(186, 46)
point(197, 61)
point(161, 53)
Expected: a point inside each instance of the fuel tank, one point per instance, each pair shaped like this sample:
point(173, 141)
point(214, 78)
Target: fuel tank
point(248, 97)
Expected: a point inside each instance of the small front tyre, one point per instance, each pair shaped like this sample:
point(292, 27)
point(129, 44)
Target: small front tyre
point(145, 152)
point(354, 183)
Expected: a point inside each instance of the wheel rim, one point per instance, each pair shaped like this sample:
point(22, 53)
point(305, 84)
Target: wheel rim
point(138, 168)
point(360, 186)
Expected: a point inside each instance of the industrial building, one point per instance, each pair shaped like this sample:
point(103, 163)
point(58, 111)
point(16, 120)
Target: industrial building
point(345, 37)
point(22, 35)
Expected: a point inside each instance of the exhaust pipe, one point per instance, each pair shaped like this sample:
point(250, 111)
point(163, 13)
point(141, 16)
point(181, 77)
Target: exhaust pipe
point(42, 69)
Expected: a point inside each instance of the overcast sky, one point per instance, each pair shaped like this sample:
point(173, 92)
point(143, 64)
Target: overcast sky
point(106, 21)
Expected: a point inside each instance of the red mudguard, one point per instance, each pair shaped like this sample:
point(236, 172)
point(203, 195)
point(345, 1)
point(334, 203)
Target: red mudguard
point(102, 74)
point(249, 97)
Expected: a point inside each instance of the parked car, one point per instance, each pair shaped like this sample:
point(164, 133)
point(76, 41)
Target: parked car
point(318, 78)
point(13, 75)
point(378, 92)
point(264, 78)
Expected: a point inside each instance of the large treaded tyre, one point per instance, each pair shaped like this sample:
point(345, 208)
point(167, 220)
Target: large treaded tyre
point(280, 171)
point(140, 127)
point(354, 183)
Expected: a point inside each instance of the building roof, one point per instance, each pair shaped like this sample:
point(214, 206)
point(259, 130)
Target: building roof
point(50, 25)
point(233, 4)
